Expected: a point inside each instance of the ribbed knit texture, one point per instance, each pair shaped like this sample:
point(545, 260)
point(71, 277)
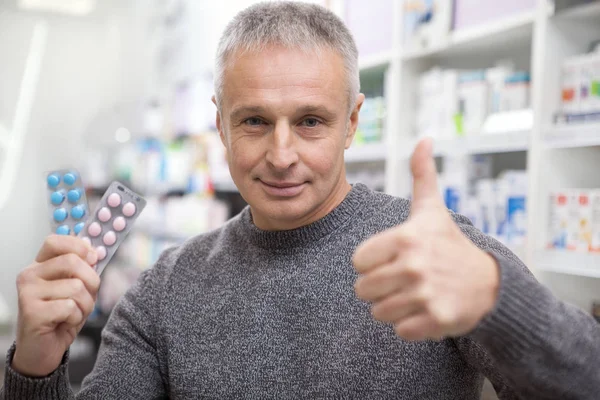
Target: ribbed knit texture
point(244, 313)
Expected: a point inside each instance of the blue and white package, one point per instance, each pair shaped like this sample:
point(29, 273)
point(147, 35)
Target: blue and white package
point(67, 202)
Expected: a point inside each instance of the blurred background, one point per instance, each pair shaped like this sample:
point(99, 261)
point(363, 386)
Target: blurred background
point(120, 89)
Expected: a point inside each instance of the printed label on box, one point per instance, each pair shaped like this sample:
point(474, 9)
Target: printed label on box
point(595, 200)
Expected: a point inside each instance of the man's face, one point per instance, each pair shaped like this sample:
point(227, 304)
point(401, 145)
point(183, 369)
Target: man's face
point(284, 121)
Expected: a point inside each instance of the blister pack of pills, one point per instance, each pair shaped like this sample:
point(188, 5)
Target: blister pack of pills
point(112, 220)
point(66, 201)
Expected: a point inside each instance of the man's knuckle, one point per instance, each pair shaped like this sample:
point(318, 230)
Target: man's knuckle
point(24, 277)
point(72, 260)
point(77, 286)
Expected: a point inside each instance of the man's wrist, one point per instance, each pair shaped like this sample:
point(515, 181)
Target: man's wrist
point(22, 367)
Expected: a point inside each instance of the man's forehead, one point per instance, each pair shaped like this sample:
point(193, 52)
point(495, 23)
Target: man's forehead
point(278, 75)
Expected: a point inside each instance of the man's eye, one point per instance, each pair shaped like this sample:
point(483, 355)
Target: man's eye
point(253, 121)
point(311, 122)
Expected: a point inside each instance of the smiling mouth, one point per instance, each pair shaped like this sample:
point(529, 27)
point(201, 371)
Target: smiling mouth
point(282, 189)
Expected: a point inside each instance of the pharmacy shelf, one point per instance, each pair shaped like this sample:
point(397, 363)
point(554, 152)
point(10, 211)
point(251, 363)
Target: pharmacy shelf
point(371, 152)
point(573, 135)
point(514, 30)
point(476, 144)
point(589, 12)
point(225, 185)
point(568, 262)
point(375, 61)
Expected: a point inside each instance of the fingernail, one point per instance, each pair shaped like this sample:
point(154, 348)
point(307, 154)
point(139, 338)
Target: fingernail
point(92, 257)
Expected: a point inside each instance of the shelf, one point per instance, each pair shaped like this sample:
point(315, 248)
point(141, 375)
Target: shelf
point(568, 262)
point(574, 135)
point(507, 31)
point(477, 144)
point(371, 152)
point(225, 185)
point(588, 12)
point(375, 61)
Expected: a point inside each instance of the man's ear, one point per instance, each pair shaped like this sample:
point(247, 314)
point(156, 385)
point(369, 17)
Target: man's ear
point(360, 99)
point(219, 122)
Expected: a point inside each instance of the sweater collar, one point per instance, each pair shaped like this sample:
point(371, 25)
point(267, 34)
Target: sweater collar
point(311, 233)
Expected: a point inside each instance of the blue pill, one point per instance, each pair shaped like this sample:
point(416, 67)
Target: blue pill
point(70, 178)
point(78, 227)
point(57, 198)
point(78, 212)
point(60, 214)
point(63, 230)
point(74, 195)
point(53, 180)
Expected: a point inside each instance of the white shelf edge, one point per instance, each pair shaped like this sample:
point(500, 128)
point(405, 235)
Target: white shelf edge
point(375, 60)
point(469, 35)
point(561, 261)
point(366, 153)
point(472, 34)
point(572, 136)
point(477, 144)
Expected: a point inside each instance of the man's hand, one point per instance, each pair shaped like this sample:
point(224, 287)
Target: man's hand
point(56, 294)
point(425, 276)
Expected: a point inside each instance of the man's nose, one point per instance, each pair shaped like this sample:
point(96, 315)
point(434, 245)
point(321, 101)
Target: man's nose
point(282, 152)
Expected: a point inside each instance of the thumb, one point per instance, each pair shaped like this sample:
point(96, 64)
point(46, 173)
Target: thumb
point(425, 186)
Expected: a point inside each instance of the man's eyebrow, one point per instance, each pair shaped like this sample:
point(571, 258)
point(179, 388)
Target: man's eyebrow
point(316, 109)
point(239, 111)
point(307, 109)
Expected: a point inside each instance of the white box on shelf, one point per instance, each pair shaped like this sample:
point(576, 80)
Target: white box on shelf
point(473, 96)
point(515, 94)
point(584, 221)
point(496, 77)
point(569, 90)
point(573, 220)
point(595, 81)
point(558, 220)
point(595, 201)
point(426, 23)
point(448, 103)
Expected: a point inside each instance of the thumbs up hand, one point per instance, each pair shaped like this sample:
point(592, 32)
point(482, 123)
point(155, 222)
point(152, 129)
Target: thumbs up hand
point(425, 276)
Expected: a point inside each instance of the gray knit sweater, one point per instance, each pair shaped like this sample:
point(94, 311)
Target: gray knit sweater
point(245, 313)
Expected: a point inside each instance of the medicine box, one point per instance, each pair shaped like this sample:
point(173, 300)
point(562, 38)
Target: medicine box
point(595, 201)
point(584, 221)
point(558, 220)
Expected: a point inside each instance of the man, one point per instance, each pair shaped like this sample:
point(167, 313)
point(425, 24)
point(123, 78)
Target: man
point(270, 306)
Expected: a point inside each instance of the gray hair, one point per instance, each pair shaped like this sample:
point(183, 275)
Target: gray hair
point(293, 25)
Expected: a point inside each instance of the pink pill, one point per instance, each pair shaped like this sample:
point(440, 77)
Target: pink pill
point(94, 229)
point(104, 214)
point(129, 209)
point(109, 238)
point(114, 200)
point(101, 251)
point(119, 224)
point(87, 240)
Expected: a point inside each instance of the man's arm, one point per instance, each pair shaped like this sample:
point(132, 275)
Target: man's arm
point(541, 346)
point(127, 365)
